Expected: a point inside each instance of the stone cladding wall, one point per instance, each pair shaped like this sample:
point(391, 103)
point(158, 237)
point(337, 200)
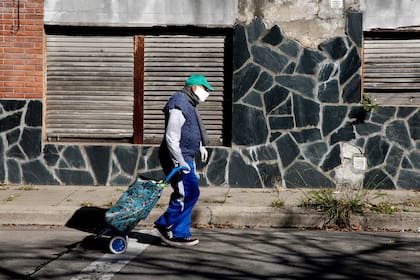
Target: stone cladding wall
point(296, 107)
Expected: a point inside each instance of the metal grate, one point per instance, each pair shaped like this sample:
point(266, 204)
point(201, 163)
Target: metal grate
point(168, 62)
point(89, 86)
point(392, 70)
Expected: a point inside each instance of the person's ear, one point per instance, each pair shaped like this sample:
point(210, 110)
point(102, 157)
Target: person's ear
point(193, 88)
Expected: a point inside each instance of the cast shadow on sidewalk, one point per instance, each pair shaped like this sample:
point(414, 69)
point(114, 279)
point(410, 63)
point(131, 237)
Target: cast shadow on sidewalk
point(88, 219)
point(92, 220)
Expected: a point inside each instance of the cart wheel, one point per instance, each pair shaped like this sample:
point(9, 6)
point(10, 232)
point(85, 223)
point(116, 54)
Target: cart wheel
point(118, 244)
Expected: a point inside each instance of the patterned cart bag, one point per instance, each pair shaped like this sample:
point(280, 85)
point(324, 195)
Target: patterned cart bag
point(136, 203)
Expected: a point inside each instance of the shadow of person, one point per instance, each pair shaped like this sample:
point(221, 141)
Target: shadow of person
point(145, 238)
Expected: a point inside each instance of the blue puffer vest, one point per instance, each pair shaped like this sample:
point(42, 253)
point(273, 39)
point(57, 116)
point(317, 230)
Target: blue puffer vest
point(190, 133)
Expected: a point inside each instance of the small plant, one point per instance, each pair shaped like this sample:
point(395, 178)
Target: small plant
point(412, 203)
point(216, 201)
point(109, 203)
point(337, 210)
point(368, 102)
point(86, 204)
point(278, 188)
point(27, 188)
point(380, 194)
point(10, 198)
point(384, 207)
point(278, 203)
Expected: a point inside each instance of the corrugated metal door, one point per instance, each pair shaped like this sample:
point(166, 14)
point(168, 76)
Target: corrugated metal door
point(168, 62)
point(392, 70)
point(90, 86)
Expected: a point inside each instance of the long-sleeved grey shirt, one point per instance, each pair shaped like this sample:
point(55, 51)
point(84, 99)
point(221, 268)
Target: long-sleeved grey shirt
point(173, 136)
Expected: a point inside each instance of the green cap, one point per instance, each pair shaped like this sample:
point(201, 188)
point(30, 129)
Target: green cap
point(198, 80)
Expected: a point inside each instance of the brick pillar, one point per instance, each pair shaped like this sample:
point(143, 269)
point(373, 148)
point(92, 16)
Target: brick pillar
point(21, 49)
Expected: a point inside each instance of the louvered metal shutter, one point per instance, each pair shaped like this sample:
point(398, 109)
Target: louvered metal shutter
point(90, 86)
point(168, 62)
point(392, 71)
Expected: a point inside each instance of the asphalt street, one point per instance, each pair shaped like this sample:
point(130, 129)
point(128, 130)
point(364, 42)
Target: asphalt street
point(40, 252)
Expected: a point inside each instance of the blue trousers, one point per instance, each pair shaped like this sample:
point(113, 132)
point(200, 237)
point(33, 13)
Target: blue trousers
point(183, 199)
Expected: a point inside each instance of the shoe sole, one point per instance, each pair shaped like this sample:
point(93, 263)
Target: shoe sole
point(176, 244)
point(180, 244)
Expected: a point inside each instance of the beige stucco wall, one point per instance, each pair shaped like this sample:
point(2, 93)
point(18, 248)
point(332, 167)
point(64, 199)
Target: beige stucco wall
point(308, 21)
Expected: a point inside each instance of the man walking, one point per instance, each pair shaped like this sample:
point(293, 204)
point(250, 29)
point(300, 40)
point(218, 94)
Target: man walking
point(185, 136)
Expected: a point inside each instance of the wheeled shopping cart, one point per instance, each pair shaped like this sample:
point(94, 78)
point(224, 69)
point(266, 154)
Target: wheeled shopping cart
point(134, 205)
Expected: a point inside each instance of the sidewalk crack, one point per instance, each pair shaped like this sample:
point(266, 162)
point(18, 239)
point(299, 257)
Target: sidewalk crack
point(67, 197)
point(226, 195)
point(69, 249)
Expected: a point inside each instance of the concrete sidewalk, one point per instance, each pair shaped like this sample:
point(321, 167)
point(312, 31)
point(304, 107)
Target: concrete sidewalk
point(218, 206)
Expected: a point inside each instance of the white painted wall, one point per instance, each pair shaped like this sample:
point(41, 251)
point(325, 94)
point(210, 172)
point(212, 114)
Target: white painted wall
point(390, 13)
point(141, 13)
point(308, 21)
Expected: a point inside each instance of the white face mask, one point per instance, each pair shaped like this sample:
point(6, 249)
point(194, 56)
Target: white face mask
point(201, 93)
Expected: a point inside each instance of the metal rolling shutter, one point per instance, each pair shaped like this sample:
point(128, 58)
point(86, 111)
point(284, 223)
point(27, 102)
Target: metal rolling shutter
point(168, 62)
point(392, 70)
point(89, 86)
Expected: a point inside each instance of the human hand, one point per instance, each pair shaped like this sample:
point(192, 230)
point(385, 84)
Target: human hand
point(204, 154)
point(185, 168)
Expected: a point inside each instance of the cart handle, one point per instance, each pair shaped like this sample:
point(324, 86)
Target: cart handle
point(173, 171)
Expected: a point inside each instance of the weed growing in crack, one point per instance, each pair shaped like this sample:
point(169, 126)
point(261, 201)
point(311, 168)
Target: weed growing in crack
point(383, 207)
point(278, 203)
point(337, 210)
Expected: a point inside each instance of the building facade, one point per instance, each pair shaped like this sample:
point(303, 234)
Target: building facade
point(82, 87)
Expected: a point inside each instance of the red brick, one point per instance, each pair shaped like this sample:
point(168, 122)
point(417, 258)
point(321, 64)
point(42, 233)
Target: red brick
point(33, 73)
point(22, 90)
point(25, 67)
point(35, 51)
point(33, 95)
point(33, 28)
point(34, 39)
point(13, 50)
point(34, 16)
point(22, 53)
point(23, 45)
point(14, 95)
point(33, 84)
point(12, 84)
point(6, 67)
point(10, 79)
point(8, 75)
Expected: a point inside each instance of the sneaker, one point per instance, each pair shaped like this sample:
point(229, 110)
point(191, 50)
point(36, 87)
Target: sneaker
point(164, 232)
point(182, 242)
point(167, 236)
